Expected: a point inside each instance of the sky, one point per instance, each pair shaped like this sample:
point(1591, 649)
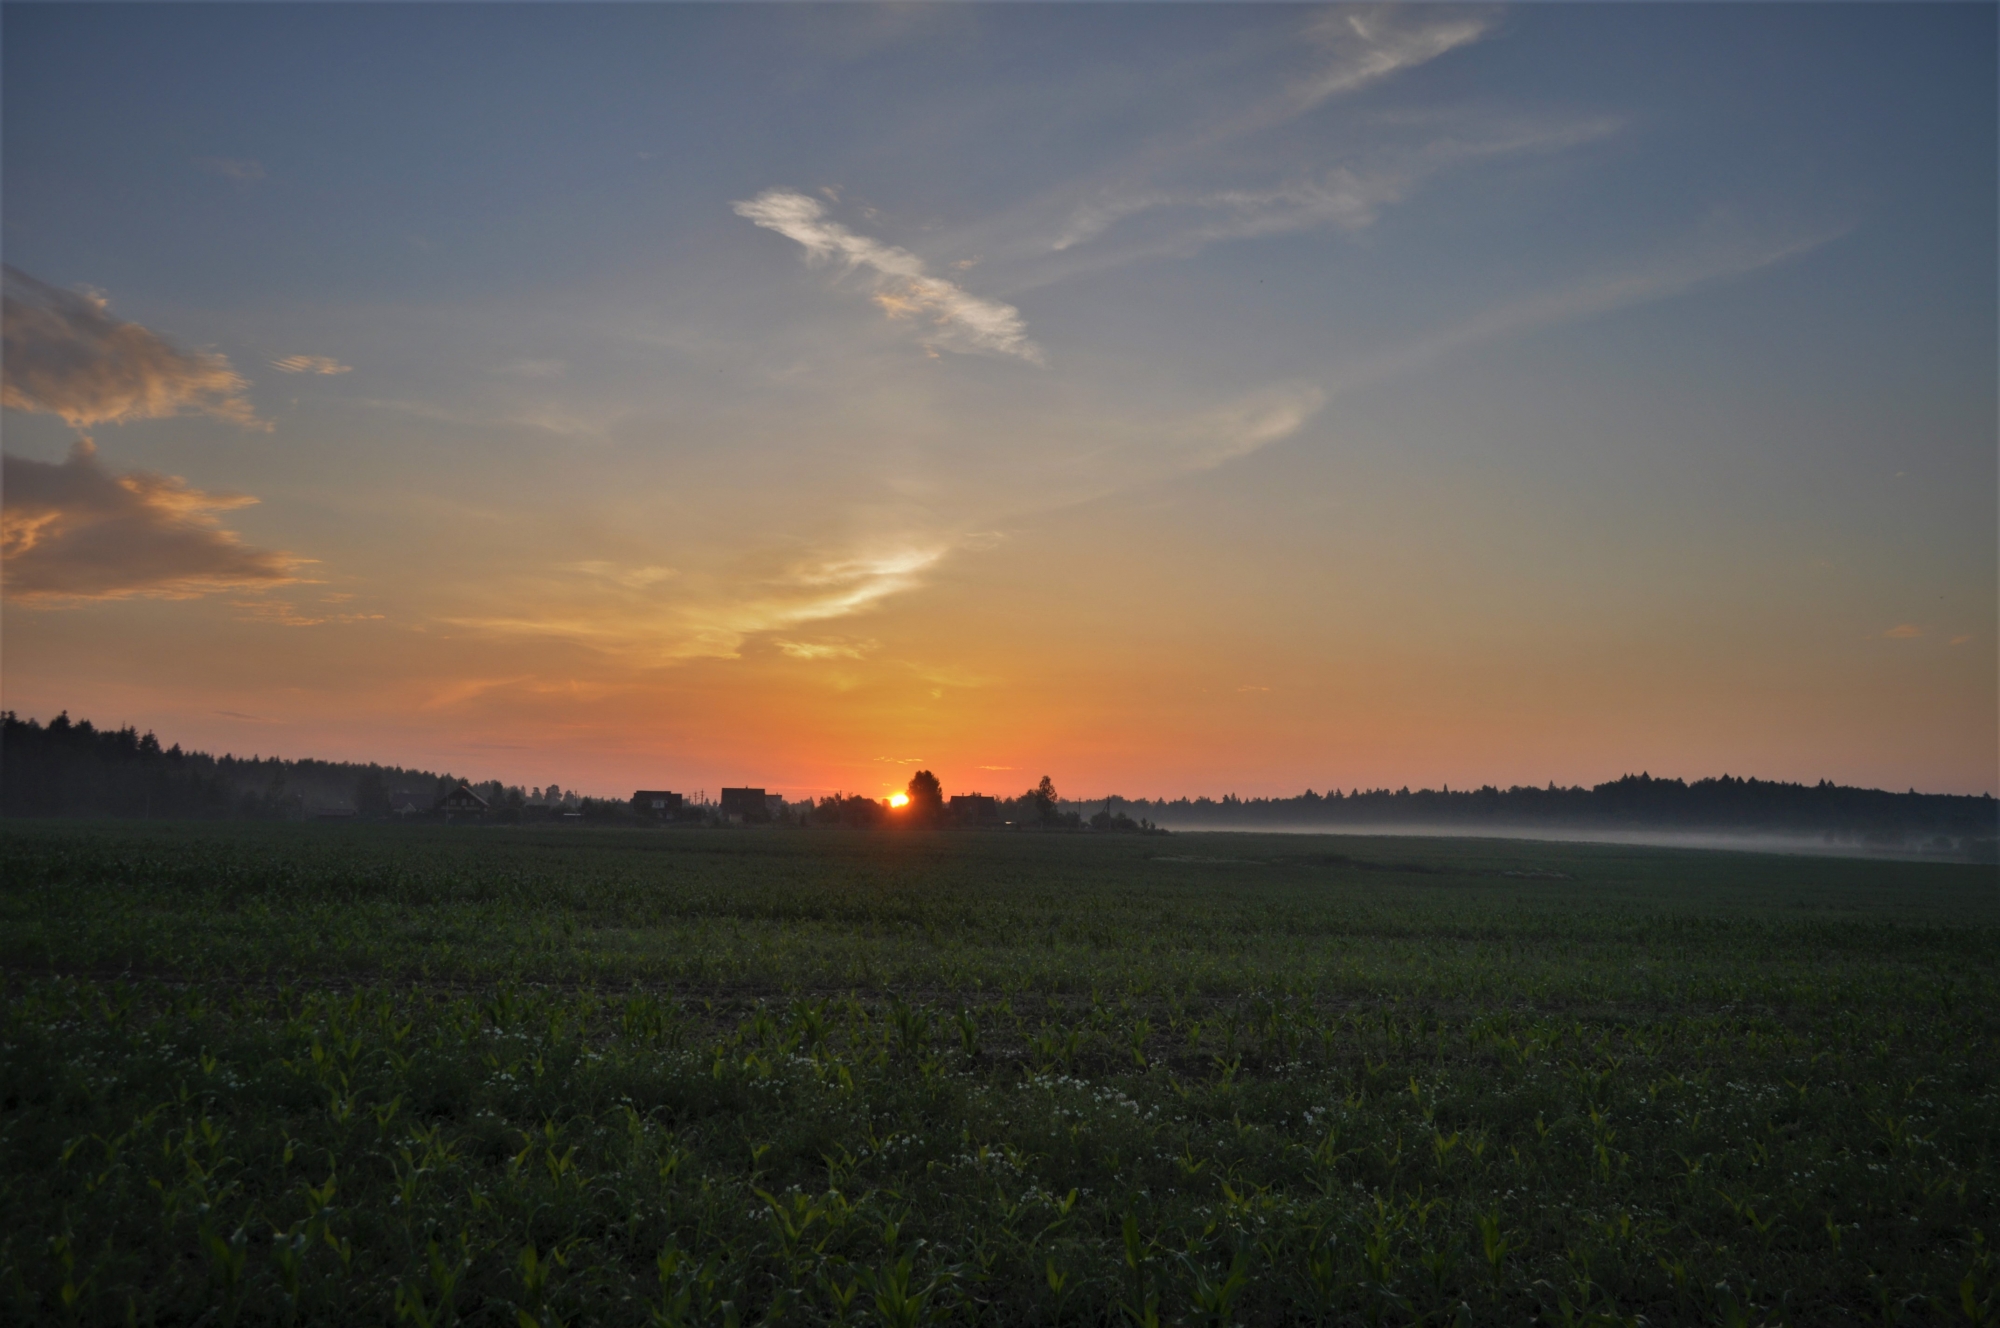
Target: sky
point(1174, 400)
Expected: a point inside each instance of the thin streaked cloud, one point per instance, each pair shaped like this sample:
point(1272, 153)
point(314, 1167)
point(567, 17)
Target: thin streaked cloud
point(311, 364)
point(680, 616)
point(1365, 44)
point(631, 578)
point(1354, 48)
point(1252, 422)
point(821, 649)
point(902, 286)
point(1697, 262)
point(1180, 221)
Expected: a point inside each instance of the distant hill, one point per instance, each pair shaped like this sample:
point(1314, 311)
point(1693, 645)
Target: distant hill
point(1943, 822)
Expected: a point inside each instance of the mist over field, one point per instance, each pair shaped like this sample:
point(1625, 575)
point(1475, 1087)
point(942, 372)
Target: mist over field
point(1722, 841)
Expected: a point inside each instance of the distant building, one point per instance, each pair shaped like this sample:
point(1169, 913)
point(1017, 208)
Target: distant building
point(745, 804)
point(462, 801)
point(403, 803)
point(974, 809)
point(656, 803)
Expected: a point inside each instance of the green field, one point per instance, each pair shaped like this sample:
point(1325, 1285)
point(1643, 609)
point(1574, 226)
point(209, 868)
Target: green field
point(350, 1074)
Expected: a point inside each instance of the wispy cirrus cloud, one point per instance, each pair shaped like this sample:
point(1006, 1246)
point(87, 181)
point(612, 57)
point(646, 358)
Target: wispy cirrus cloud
point(1201, 187)
point(1343, 197)
point(311, 364)
point(903, 286)
point(631, 578)
point(1253, 420)
point(810, 589)
point(1249, 423)
point(1365, 44)
point(822, 649)
point(1235, 428)
point(285, 613)
point(74, 531)
point(1698, 260)
point(636, 612)
point(66, 355)
point(1354, 47)
point(831, 587)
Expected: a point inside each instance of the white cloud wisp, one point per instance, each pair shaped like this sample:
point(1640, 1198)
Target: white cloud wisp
point(1367, 44)
point(1344, 197)
point(904, 287)
point(659, 619)
point(1181, 176)
point(312, 364)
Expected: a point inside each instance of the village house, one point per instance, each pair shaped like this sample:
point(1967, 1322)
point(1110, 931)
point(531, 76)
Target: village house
point(462, 801)
point(404, 804)
point(656, 803)
point(974, 809)
point(745, 804)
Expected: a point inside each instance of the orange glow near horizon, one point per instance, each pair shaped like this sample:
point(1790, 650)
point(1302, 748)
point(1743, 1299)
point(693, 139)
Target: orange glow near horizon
point(899, 799)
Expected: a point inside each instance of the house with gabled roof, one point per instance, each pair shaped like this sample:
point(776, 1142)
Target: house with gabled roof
point(462, 801)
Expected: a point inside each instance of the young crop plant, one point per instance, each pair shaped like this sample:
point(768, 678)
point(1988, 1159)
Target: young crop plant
point(872, 1083)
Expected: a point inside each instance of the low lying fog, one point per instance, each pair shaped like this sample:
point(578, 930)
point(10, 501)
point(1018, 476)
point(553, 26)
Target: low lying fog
point(1715, 839)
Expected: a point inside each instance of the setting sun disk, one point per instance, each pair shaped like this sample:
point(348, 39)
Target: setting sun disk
point(899, 799)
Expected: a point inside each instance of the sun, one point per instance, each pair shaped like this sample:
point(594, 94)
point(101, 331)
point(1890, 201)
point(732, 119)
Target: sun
point(899, 799)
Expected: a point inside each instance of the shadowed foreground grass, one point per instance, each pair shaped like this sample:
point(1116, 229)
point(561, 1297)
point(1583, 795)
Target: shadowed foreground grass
point(342, 1074)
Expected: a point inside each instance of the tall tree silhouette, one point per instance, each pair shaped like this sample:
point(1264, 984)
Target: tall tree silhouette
point(926, 798)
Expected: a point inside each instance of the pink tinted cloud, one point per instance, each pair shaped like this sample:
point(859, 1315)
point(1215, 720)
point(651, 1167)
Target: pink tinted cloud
point(75, 531)
point(66, 355)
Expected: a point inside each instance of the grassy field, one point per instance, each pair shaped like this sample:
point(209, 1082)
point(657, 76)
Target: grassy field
point(424, 1075)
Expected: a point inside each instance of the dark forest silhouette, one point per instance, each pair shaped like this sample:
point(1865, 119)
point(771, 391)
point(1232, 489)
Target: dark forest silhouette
point(75, 769)
point(67, 768)
point(1828, 811)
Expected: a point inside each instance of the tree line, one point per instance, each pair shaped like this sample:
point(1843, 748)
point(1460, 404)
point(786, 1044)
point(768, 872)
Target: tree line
point(1727, 803)
point(925, 806)
point(71, 768)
